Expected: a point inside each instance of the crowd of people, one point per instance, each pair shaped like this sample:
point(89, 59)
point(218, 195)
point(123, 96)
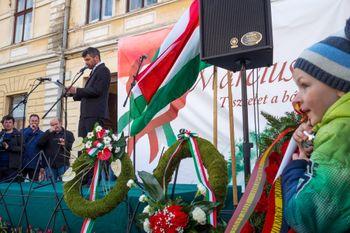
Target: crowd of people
point(31, 154)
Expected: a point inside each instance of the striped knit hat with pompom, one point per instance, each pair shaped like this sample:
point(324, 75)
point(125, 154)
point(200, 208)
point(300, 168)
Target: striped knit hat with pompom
point(329, 60)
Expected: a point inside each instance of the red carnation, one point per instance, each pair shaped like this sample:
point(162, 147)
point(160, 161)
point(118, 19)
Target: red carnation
point(101, 133)
point(105, 154)
point(171, 220)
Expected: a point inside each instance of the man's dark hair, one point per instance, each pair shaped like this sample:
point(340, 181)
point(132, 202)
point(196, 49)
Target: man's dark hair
point(92, 52)
point(7, 118)
point(34, 115)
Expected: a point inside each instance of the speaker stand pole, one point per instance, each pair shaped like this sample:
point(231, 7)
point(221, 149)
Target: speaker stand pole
point(246, 144)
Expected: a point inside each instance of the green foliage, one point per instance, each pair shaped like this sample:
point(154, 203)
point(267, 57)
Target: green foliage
point(213, 161)
point(275, 125)
point(93, 209)
point(151, 185)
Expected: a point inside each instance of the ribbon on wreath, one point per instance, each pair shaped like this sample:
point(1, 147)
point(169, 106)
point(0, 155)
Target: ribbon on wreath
point(186, 135)
point(88, 222)
point(98, 146)
point(252, 194)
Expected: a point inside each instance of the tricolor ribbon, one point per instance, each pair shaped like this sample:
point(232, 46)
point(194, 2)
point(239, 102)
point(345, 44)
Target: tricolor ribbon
point(186, 135)
point(88, 222)
point(98, 146)
point(253, 192)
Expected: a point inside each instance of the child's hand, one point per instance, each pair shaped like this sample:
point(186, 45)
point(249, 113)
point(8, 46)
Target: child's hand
point(302, 136)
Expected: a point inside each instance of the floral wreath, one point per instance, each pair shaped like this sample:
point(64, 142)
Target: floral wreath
point(99, 145)
point(166, 215)
point(213, 161)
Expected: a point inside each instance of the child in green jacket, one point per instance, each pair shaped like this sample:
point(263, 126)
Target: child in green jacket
point(316, 184)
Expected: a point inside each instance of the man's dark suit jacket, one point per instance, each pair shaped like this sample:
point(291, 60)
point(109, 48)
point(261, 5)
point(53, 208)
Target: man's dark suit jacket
point(94, 98)
point(56, 154)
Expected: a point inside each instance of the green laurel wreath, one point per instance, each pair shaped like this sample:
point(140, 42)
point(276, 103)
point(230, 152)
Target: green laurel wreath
point(213, 161)
point(93, 209)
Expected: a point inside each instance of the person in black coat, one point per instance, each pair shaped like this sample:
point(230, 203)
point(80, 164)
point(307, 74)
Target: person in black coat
point(56, 144)
point(10, 149)
point(94, 96)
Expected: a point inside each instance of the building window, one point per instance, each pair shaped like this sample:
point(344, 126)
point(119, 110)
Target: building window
point(99, 9)
point(137, 4)
point(23, 20)
point(18, 112)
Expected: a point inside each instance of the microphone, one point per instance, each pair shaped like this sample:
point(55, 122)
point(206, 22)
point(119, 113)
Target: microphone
point(43, 79)
point(83, 69)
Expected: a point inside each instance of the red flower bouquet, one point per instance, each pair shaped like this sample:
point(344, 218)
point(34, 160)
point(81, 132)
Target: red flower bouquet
point(171, 219)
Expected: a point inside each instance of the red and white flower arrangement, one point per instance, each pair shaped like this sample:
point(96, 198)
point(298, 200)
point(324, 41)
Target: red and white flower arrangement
point(172, 216)
point(103, 145)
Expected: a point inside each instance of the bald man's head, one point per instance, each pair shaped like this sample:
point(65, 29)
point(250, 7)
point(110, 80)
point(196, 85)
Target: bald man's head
point(55, 125)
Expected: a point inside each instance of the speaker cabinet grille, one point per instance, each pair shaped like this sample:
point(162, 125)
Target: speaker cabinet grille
point(230, 30)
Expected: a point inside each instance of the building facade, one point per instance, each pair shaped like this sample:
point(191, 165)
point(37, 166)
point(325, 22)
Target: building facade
point(45, 38)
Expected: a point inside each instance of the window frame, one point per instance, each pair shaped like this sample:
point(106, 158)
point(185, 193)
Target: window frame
point(143, 5)
point(11, 98)
point(17, 14)
point(100, 16)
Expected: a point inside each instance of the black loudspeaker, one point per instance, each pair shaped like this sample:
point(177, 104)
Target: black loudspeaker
point(236, 31)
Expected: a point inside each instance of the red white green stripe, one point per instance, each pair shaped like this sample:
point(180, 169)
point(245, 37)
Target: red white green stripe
point(172, 73)
point(203, 177)
point(88, 223)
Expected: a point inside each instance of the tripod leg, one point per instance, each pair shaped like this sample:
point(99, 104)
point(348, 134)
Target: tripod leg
point(5, 206)
point(58, 200)
point(24, 210)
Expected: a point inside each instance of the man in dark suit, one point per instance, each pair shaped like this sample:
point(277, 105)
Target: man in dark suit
point(94, 96)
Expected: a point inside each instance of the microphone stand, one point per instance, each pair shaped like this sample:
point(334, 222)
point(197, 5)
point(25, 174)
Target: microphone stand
point(24, 102)
point(133, 83)
point(64, 93)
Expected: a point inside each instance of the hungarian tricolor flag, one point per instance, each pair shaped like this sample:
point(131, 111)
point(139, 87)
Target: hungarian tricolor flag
point(173, 71)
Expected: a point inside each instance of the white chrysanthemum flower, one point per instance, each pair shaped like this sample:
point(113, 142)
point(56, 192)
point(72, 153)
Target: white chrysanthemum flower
point(199, 215)
point(143, 198)
point(201, 189)
point(90, 135)
point(88, 144)
point(117, 149)
point(147, 209)
point(146, 226)
point(110, 147)
point(68, 175)
point(107, 140)
point(116, 167)
point(115, 137)
point(130, 183)
point(98, 128)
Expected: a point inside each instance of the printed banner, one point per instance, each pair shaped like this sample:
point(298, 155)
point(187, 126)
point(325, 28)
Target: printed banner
point(297, 24)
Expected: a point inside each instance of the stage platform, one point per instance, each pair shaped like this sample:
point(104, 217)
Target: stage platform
point(42, 202)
